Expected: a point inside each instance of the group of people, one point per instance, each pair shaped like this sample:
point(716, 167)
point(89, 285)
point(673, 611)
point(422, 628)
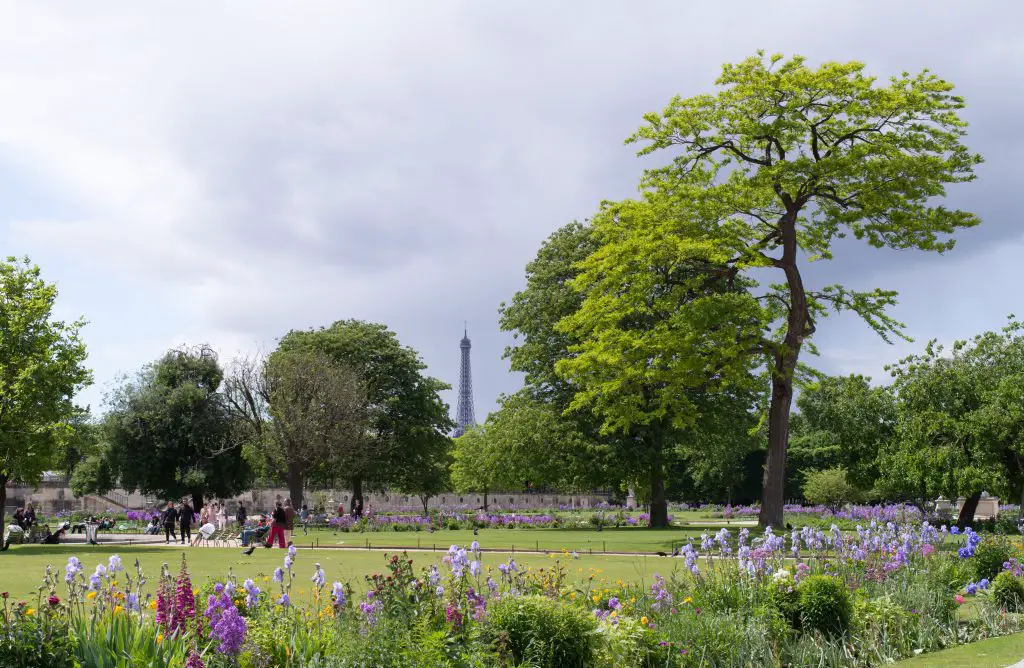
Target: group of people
point(279, 528)
point(25, 517)
point(212, 517)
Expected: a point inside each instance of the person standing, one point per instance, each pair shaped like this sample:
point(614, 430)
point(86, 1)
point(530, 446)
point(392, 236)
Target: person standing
point(30, 515)
point(170, 519)
point(277, 527)
point(222, 516)
point(241, 516)
point(289, 521)
point(185, 519)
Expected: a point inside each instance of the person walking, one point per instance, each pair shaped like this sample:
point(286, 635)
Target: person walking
point(289, 521)
point(185, 519)
point(277, 527)
point(170, 519)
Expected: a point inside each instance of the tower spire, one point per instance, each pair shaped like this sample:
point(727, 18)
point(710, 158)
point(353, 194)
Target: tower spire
point(464, 415)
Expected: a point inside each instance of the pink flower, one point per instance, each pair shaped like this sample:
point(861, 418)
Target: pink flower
point(959, 599)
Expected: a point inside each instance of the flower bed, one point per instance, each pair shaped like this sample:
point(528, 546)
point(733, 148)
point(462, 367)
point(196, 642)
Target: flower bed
point(807, 597)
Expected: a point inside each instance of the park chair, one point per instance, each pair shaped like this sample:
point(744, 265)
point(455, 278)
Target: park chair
point(206, 534)
point(227, 536)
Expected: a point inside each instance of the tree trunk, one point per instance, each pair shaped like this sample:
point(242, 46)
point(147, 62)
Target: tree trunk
point(425, 500)
point(357, 493)
point(197, 501)
point(967, 512)
point(659, 504)
point(295, 480)
point(3, 506)
point(773, 492)
point(485, 501)
point(1022, 500)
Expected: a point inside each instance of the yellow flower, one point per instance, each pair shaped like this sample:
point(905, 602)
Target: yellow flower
point(159, 638)
point(572, 595)
point(118, 609)
point(632, 600)
point(597, 598)
point(152, 605)
point(614, 614)
point(688, 599)
point(643, 620)
point(91, 595)
point(30, 611)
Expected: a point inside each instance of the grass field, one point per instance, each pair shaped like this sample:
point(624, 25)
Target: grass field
point(991, 653)
point(23, 566)
point(581, 540)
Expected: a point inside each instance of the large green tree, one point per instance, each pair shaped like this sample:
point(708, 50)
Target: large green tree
point(768, 172)
point(408, 423)
point(170, 432)
point(42, 366)
point(960, 428)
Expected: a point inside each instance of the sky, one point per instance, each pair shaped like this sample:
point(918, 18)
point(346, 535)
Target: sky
point(224, 172)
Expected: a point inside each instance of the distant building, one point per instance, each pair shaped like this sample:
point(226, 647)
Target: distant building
point(464, 416)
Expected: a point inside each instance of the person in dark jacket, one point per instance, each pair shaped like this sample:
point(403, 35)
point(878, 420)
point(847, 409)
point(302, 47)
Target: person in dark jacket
point(277, 528)
point(170, 519)
point(241, 516)
point(185, 518)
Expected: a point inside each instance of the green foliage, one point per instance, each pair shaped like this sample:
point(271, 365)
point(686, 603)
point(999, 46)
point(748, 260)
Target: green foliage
point(542, 632)
point(960, 427)
point(843, 422)
point(41, 368)
point(990, 555)
point(778, 164)
point(525, 440)
point(408, 421)
point(170, 431)
point(824, 605)
point(1008, 591)
point(37, 640)
point(830, 488)
point(121, 641)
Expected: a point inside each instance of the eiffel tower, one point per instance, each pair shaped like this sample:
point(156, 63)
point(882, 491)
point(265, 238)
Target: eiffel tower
point(464, 417)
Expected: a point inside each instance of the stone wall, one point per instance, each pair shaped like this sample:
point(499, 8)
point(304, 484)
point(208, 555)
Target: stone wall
point(50, 497)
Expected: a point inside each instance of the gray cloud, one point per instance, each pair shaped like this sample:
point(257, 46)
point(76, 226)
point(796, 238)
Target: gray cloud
point(267, 166)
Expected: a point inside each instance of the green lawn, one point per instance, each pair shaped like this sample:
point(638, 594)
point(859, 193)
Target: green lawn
point(23, 566)
point(991, 653)
point(581, 540)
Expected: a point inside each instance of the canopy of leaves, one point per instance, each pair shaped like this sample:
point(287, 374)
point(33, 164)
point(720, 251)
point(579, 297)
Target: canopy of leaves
point(407, 423)
point(959, 423)
point(844, 422)
point(41, 369)
point(829, 488)
point(170, 432)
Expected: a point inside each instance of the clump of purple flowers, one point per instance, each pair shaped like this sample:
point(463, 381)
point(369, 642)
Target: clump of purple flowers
point(226, 625)
point(973, 539)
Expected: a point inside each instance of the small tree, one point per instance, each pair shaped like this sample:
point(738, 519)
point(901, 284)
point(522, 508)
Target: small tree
point(829, 488)
point(41, 369)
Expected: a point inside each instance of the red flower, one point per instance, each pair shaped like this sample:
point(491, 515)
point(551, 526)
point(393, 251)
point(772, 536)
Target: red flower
point(53, 600)
point(4, 595)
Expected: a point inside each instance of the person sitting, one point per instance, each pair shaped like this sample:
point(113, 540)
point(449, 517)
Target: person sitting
point(30, 516)
point(54, 538)
point(19, 518)
point(153, 528)
point(254, 535)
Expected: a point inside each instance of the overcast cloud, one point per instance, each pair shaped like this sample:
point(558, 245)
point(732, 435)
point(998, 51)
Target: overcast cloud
point(223, 172)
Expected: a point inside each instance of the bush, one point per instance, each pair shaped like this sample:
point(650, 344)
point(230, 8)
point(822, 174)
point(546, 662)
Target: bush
point(989, 557)
point(824, 605)
point(542, 632)
point(1008, 591)
point(829, 488)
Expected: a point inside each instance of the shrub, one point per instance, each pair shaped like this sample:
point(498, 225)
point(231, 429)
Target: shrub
point(785, 601)
point(824, 605)
point(542, 632)
point(1008, 591)
point(989, 557)
point(829, 488)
